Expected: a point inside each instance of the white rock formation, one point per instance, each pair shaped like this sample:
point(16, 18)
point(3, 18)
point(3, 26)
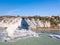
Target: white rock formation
point(58, 25)
point(47, 24)
point(13, 23)
point(31, 24)
point(12, 27)
point(40, 23)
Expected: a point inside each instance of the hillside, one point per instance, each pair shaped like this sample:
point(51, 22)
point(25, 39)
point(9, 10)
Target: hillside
point(34, 22)
point(18, 26)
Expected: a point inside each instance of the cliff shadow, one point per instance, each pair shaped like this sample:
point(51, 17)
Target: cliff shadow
point(24, 24)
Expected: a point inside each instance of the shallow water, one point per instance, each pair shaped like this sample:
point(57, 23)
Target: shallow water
point(42, 40)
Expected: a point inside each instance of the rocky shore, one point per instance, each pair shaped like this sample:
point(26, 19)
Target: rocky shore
point(32, 25)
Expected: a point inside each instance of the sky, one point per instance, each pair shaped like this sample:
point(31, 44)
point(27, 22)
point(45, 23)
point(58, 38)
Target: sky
point(30, 7)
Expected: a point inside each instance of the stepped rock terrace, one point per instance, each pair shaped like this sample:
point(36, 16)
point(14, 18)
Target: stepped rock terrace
point(20, 26)
point(37, 22)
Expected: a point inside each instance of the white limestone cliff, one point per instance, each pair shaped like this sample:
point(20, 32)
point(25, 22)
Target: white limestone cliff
point(13, 23)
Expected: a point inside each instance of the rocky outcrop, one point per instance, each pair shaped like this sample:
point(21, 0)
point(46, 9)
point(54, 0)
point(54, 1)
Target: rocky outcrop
point(12, 23)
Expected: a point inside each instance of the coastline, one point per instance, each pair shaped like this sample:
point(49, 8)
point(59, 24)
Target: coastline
point(45, 29)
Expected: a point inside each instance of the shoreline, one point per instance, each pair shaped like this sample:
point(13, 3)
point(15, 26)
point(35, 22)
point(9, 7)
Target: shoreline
point(45, 29)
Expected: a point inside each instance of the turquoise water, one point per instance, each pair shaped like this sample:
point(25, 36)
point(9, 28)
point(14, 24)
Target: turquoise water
point(42, 40)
